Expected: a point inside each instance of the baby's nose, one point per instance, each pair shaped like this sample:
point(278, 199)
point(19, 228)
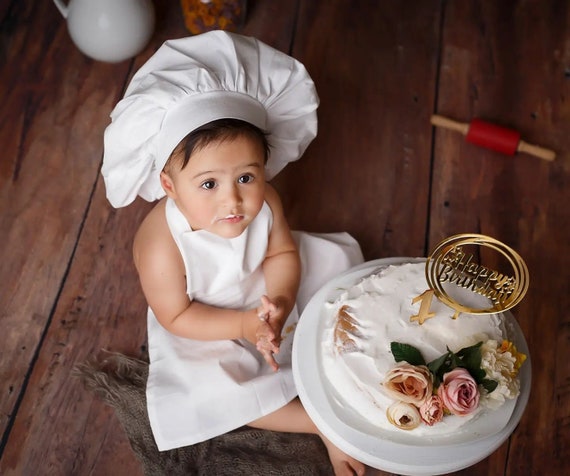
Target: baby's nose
point(233, 195)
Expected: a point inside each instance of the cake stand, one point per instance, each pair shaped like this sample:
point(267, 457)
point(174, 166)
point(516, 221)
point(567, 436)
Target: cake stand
point(373, 446)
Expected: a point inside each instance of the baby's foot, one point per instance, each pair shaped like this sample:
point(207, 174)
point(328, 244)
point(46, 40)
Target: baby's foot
point(343, 465)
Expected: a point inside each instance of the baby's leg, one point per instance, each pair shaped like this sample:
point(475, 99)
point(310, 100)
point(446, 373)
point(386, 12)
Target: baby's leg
point(293, 418)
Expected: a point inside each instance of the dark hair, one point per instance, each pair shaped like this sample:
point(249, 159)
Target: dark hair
point(218, 131)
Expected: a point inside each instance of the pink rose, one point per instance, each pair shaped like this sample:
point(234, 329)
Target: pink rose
point(409, 383)
point(459, 392)
point(431, 410)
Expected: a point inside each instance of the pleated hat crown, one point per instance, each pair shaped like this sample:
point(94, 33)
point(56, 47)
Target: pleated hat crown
point(192, 81)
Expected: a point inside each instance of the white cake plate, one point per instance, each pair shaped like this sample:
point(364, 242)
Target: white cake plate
point(374, 446)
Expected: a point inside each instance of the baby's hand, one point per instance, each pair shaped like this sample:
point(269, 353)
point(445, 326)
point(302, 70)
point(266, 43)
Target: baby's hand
point(269, 332)
point(266, 346)
point(273, 315)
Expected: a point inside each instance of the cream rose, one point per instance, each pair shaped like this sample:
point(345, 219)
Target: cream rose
point(409, 383)
point(459, 392)
point(403, 415)
point(496, 363)
point(501, 366)
point(431, 411)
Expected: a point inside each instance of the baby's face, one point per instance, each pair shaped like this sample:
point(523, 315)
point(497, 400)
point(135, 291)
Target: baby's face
point(222, 187)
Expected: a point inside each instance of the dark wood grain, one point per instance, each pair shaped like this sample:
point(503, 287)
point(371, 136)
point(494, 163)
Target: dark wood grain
point(377, 169)
point(375, 71)
point(507, 62)
point(54, 101)
point(100, 305)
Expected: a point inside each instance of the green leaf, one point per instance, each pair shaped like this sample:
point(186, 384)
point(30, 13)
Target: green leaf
point(441, 366)
point(470, 359)
point(489, 385)
point(406, 352)
point(471, 356)
point(478, 375)
point(438, 363)
point(454, 360)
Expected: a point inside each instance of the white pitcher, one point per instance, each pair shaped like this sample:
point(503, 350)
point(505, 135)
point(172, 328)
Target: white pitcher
point(109, 30)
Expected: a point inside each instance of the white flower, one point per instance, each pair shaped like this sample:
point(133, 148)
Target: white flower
point(500, 367)
point(403, 415)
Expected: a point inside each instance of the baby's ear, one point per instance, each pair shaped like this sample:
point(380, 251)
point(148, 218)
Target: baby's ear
point(167, 184)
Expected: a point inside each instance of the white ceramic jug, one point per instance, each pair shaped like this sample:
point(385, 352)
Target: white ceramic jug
point(109, 30)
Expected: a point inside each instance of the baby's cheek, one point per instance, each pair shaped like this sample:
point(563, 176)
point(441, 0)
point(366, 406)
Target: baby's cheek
point(203, 218)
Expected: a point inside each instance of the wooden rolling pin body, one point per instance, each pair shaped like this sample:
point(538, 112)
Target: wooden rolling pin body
point(491, 136)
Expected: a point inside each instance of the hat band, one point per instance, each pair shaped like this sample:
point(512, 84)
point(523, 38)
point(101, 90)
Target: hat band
point(200, 109)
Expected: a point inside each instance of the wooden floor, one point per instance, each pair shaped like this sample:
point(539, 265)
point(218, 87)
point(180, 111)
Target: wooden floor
point(377, 170)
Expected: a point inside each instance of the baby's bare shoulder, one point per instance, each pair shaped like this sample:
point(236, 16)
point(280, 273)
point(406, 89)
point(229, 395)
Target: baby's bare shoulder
point(153, 244)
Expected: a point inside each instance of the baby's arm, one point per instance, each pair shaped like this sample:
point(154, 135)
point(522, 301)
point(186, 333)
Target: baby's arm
point(282, 265)
point(162, 276)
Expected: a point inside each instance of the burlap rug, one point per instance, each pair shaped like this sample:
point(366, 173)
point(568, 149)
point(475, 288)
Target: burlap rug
point(120, 382)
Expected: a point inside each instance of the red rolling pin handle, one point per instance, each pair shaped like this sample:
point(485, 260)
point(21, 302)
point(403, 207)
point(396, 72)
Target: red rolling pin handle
point(490, 136)
point(493, 137)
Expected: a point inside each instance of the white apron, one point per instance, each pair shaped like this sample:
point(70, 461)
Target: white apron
point(197, 390)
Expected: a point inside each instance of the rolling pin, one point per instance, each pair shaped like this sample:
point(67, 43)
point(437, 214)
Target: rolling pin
point(491, 136)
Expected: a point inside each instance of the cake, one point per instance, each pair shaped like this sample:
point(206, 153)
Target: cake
point(403, 360)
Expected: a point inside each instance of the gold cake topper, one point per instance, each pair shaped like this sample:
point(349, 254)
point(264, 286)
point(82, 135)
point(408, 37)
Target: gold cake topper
point(451, 263)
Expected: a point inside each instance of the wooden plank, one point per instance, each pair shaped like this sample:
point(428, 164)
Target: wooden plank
point(53, 99)
point(367, 172)
point(61, 428)
point(101, 307)
point(508, 62)
point(272, 22)
point(373, 150)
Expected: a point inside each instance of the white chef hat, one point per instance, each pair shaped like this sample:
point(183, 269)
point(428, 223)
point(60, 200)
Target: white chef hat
point(192, 81)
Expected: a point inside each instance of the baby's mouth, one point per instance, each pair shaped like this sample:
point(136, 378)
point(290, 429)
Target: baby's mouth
point(233, 218)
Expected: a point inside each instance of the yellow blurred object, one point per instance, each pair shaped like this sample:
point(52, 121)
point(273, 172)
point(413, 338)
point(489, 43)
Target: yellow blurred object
point(206, 15)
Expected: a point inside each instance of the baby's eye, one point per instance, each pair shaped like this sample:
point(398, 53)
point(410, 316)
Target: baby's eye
point(208, 184)
point(246, 178)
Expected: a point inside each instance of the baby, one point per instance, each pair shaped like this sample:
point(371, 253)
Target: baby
point(221, 191)
point(203, 125)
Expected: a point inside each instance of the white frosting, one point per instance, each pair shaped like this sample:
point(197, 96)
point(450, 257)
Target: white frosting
point(382, 306)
